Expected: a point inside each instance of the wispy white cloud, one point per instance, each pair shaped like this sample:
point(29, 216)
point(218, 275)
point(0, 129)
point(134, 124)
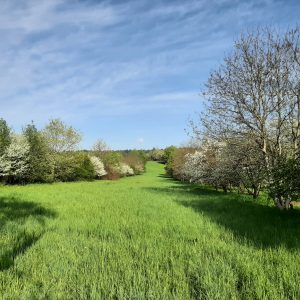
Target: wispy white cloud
point(87, 59)
point(35, 16)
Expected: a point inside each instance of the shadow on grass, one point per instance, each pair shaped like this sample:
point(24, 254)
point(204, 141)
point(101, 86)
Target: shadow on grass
point(256, 222)
point(18, 211)
point(164, 176)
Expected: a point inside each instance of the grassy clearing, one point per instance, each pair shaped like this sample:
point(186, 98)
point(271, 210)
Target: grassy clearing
point(144, 237)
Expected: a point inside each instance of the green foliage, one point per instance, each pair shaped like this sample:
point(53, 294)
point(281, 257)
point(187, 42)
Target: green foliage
point(112, 162)
point(144, 237)
point(168, 152)
point(49, 155)
point(40, 161)
point(286, 180)
point(73, 166)
point(112, 159)
point(61, 137)
point(168, 159)
point(176, 161)
point(169, 164)
point(141, 154)
point(5, 136)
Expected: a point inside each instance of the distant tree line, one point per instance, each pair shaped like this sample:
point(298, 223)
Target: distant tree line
point(53, 154)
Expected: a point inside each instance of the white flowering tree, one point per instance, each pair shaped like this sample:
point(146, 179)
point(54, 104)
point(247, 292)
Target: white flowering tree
point(14, 163)
point(194, 167)
point(98, 166)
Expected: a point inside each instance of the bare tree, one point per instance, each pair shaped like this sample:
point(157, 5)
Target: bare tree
point(101, 149)
point(256, 92)
point(100, 146)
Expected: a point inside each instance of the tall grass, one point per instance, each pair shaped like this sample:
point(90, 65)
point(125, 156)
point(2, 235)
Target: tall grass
point(144, 237)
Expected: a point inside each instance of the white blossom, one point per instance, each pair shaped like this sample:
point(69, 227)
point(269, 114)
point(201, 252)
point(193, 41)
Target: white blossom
point(15, 161)
point(139, 168)
point(125, 170)
point(193, 168)
point(98, 166)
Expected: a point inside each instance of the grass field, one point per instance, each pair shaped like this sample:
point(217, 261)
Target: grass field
point(144, 237)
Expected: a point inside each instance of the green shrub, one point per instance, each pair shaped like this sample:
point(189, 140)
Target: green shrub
point(168, 152)
point(176, 161)
point(112, 162)
point(73, 166)
point(285, 184)
point(5, 136)
point(41, 168)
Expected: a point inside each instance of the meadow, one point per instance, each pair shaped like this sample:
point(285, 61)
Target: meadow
point(144, 237)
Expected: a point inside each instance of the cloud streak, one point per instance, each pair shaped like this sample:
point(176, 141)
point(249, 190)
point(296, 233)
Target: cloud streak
point(82, 60)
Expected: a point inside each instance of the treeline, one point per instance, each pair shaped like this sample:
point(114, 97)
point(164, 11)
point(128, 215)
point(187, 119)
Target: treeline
point(53, 154)
point(249, 136)
point(212, 164)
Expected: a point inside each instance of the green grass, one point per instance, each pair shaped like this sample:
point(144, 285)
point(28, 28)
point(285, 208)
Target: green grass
point(144, 237)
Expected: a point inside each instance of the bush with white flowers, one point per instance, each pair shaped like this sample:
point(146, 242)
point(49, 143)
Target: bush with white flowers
point(125, 170)
point(98, 166)
point(194, 167)
point(14, 163)
point(139, 169)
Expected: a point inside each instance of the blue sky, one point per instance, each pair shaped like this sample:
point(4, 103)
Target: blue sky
point(129, 72)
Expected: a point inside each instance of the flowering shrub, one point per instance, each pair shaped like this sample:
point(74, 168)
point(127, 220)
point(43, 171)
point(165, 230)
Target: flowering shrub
point(73, 166)
point(52, 155)
point(138, 169)
point(98, 166)
point(125, 170)
point(193, 168)
point(156, 154)
point(14, 163)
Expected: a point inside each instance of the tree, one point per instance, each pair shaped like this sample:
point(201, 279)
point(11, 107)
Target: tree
point(168, 153)
point(194, 167)
point(256, 92)
point(176, 162)
point(247, 162)
point(5, 136)
point(14, 163)
point(61, 137)
point(218, 169)
point(100, 146)
point(286, 181)
point(72, 166)
point(40, 163)
point(100, 149)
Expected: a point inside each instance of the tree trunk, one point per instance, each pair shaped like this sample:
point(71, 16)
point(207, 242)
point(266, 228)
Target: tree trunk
point(282, 204)
point(256, 190)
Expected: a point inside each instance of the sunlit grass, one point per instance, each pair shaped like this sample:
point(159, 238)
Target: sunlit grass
point(144, 237)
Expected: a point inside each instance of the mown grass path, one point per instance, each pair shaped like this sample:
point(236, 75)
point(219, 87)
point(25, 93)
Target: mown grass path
point(144, 237)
